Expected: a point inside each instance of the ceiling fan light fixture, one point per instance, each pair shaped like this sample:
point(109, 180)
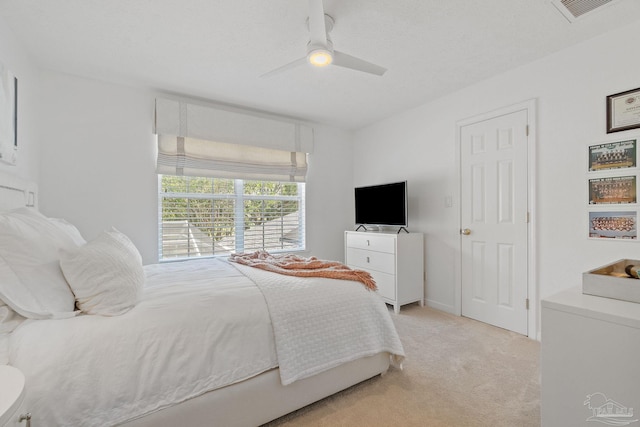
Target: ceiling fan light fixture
point(320, 57)
point(320, 52)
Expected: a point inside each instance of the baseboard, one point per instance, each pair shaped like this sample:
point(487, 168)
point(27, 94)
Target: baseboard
point(442, 307)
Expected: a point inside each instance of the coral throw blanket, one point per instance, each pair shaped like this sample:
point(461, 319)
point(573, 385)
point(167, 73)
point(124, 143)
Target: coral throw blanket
point(293, 265)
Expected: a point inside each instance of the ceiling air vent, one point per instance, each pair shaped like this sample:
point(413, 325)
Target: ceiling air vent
point(575, 9)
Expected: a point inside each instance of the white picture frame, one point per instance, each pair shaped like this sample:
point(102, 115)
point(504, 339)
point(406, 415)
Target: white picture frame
point(612, 190)
point(613, 225)
point(8, 116)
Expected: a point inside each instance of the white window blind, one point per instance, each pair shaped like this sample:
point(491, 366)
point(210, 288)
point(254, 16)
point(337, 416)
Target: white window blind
point(196, 139)
point(204, 216)
point(196, 157)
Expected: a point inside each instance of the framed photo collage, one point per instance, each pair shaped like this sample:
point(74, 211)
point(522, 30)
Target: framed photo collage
point(613, 190)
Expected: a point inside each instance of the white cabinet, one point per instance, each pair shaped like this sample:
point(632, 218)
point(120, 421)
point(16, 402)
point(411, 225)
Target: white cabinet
point(394, 260)
point(589, 360)
point(11, 397)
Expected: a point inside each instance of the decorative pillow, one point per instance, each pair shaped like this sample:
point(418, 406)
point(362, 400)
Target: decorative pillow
point(106, 274)
point(69, 229)
point(31, 282)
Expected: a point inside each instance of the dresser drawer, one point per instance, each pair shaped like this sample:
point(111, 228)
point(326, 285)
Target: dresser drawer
point(372, 242)
point(369, 260)
point(386, 284)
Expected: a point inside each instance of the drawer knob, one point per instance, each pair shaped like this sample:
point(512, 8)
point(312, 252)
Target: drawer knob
point(368, 244)
point(367, 259)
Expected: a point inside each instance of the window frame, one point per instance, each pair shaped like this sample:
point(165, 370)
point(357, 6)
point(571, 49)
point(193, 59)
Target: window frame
point(239, 215)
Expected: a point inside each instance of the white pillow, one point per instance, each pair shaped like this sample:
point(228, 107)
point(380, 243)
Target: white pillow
point(69, 229)
point(106, 274)
point(31, 282)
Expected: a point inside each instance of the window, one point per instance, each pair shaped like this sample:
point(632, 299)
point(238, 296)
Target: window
point(203, 217)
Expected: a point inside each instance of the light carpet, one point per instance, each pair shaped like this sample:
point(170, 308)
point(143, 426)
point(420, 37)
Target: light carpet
point(458, 372)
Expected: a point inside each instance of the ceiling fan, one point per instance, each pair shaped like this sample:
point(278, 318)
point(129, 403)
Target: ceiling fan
point(320, 52)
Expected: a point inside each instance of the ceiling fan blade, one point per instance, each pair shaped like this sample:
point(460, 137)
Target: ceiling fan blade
point(348, 61)
point(285, 67)
point(317, 29)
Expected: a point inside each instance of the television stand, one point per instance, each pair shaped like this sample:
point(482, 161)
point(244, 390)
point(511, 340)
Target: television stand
point(399, 229)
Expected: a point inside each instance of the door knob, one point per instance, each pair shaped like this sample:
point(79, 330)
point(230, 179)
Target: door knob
point(465, 231)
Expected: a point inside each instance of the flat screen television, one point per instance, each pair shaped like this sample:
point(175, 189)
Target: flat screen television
point(384, 204)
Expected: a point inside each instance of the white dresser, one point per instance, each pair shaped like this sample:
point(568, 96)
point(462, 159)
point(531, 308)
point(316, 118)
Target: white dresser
point(394, 260)
point(589, 361)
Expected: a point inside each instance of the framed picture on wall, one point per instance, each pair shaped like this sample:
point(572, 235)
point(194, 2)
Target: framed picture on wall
point(623, 111)
point(613, 155)
point(8, 116)
point(612, 190)
point(621, 225)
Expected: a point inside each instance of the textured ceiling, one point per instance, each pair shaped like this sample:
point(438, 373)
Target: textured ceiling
point(218, 50)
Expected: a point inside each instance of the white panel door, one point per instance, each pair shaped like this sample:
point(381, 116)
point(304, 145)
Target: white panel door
point(493, 166)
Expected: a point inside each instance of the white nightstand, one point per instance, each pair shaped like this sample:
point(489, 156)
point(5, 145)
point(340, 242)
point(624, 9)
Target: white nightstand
point(11, 397)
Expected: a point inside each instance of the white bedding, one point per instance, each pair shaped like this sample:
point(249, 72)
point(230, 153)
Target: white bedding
point(320, 323)
point(200, 325)
point(173, 345)
point(4, 349)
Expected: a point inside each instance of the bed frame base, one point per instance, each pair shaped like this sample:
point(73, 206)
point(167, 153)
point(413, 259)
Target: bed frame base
point(263, 398)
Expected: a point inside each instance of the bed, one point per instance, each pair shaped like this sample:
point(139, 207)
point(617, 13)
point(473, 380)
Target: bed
point(205, 342)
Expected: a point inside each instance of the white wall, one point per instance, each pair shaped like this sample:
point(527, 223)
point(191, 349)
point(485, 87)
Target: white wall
point(98, 166)
point(15, 58)
point(329, 193)
point(570, 87)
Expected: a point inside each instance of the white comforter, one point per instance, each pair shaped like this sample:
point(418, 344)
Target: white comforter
point(201, 325)
point(98, 371)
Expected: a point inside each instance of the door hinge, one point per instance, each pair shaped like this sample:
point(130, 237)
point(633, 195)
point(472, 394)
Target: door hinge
point(527, 303)
point(527, 129)
point(528, 218)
